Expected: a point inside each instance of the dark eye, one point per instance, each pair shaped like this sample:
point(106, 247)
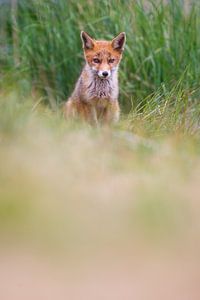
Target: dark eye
point(96, 60)
point(111, 60)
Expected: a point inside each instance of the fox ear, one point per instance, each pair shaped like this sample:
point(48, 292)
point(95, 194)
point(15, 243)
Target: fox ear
point(88, 42)
point(119, 41)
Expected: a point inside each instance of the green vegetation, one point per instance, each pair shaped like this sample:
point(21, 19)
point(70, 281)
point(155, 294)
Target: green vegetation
point(41, 43)
point(82, 188)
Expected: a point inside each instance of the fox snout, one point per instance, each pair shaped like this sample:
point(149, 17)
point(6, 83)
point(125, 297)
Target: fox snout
point(104, 74)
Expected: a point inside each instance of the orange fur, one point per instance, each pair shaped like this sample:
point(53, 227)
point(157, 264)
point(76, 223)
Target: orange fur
point(95, 97)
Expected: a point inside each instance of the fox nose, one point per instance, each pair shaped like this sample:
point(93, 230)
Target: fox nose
point(105, 73)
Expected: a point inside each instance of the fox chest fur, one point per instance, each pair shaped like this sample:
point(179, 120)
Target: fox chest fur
point(96, 91)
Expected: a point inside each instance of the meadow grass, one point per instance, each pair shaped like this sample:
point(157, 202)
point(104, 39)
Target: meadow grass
point(159, 84)
point(46, 159)
point(123, 198)
point(42, 39)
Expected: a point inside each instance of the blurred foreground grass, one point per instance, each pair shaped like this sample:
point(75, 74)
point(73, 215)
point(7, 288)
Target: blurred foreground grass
point(99, 214)
point(73, 186)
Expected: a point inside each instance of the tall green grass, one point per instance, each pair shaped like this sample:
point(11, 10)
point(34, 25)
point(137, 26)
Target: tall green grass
point(42, 39)
point(122, 199)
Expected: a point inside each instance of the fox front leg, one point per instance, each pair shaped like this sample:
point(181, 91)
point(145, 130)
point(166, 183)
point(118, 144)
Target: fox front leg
point(112, 114)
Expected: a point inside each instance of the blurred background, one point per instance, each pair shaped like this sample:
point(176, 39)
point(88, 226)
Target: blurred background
point(110, 213)
point(41, 47)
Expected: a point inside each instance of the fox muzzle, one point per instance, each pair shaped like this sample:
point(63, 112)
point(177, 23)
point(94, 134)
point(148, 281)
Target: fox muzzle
point(104, 74)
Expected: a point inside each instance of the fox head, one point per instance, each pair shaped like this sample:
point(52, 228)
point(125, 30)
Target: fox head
point(103, 57)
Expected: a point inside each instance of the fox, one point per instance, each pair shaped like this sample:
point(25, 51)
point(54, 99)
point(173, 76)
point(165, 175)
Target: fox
point(95, 96)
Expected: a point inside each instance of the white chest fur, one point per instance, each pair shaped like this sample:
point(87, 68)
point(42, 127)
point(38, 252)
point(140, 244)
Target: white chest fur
point(101, 89)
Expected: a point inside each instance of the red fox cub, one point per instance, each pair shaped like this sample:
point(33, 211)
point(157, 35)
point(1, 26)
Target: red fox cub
point(95, 97)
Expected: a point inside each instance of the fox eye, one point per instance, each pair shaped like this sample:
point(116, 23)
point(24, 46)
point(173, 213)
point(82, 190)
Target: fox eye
point(111, 60)
point(96, 60)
